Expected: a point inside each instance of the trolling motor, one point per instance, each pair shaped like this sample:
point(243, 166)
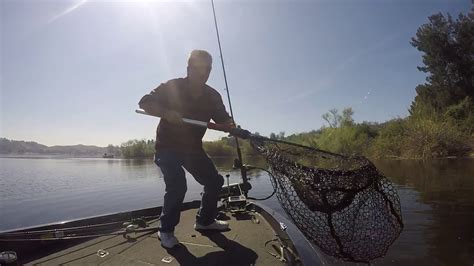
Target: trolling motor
point(234, 195)
point(234, 198)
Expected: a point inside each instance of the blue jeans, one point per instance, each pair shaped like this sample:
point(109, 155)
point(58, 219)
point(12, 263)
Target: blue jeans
point(203, 170)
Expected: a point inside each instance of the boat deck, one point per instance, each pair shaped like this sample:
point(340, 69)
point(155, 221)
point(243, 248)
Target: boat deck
point(243, 244)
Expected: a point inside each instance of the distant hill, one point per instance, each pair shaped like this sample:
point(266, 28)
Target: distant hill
point(30, 147)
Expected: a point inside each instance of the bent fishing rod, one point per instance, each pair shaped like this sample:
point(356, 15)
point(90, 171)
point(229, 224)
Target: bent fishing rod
point(240, 133)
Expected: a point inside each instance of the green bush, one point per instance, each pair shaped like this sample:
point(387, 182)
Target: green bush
point(218, 148)
point(429, 138)
point(226, 147)
point(308, 138)
point(462, 115)
point(138, 149)
point(345, 140)
point(389, 141)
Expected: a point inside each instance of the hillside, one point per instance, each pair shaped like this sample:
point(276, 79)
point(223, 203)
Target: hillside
point(16, 147)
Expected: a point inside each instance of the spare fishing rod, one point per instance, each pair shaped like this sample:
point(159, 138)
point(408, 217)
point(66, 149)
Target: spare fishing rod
point(239, 164)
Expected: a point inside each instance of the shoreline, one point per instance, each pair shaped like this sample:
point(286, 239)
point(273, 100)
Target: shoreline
point(69, 156)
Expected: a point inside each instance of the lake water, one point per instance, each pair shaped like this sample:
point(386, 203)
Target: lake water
point(437, 198)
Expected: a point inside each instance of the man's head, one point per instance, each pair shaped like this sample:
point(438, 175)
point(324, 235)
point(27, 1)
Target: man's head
point(199, 67)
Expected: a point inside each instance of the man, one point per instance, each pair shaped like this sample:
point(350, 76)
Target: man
point(179, 145)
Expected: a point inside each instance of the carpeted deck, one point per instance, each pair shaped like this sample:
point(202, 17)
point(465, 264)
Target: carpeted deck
point(243, 244)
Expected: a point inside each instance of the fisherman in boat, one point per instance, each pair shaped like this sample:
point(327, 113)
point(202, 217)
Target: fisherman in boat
point(179, 145)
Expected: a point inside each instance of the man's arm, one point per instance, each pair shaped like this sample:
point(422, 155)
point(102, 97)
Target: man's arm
point(156, 103)
point(220, 115)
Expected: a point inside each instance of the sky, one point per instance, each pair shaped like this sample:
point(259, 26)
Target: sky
point(72, 72)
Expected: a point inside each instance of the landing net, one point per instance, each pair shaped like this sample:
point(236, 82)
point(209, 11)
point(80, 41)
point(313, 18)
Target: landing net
point(342, 204)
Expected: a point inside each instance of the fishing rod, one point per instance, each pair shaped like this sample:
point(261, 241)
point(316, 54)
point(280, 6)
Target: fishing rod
point(243, 171)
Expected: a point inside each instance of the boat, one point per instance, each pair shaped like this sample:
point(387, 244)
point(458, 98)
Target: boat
point(108, 155)
point(257, 235)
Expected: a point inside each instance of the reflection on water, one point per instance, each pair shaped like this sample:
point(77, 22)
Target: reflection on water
point(438, 208)
point(44, 190)
point(36, 191)
point(437, 198)
point(226, 163)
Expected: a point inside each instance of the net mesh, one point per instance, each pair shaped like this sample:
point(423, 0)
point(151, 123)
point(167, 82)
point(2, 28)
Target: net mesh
point(342, 204)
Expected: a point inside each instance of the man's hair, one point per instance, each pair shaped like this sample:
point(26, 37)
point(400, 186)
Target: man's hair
point(199, 57)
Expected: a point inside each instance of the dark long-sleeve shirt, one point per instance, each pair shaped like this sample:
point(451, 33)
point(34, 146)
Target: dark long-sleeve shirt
point(174, 95)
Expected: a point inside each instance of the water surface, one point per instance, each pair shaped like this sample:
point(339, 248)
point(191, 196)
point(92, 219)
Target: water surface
point(437, 198)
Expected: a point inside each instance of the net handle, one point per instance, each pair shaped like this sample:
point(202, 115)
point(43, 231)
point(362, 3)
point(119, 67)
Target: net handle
point(210, 125)
point(258, 137)
point(228, 129)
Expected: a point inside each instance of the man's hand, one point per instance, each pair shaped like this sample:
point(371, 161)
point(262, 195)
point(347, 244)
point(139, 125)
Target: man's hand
point(173, 117)
point(230, 123)
point(239, 132)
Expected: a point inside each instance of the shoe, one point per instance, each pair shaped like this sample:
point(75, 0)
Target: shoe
point(168, 240)
point(216, 225)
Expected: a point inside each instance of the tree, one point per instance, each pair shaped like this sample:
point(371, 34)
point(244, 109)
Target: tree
point(335, 120)
point(110, 149)
point(448, 58)
point(332, 117)
point(346, 119)
point(137, 149)
point(113, 150)
point(281, 135)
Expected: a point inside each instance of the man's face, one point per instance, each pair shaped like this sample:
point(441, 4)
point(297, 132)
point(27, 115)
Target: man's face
point(198, 73)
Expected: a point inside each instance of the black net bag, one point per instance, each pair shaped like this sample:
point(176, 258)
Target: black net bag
point(343, 204)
